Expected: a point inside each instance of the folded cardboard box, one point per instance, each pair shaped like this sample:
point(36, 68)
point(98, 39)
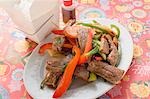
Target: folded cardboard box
point(36, 18)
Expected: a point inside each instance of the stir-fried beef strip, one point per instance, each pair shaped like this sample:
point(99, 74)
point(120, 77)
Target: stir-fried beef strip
point(53, 75)
point(82, 72)
point(110, 41)
point(115, 41)
point(55, 67)
point(106, 71)
point(58, 61)
point(109, 38)
point(52, 62)
point(82, 37)
point(54, 71)
point(104, 46)
point(114, 54)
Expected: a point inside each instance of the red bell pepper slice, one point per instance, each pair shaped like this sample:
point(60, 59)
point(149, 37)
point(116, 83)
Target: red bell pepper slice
point(88, 47)
point(67, 76)
point(58, 32)
point(44, 47)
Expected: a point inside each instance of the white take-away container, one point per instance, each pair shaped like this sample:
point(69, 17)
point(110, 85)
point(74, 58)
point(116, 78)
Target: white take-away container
point(36, 18)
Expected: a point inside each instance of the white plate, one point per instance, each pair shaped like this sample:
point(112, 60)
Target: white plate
point(34, 71)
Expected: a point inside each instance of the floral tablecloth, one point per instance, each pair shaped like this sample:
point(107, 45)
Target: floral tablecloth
point(133, 14)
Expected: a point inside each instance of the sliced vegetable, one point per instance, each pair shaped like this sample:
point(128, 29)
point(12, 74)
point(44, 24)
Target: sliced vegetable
point(68, 73)
point(47, 46)
point(93, 51)
point(44, 47)
point(97, 42)
point(97, 36)
point(92, 77)
point(103, 55)
point(93, 26)
point(58, 32)
point(97, 24)
point(96, 49)
point(117, 32)
point(58, 40)
point(94, 21)
point(88, 47)
point(98, 31)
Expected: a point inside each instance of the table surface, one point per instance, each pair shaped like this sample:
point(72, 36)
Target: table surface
point(133, 14)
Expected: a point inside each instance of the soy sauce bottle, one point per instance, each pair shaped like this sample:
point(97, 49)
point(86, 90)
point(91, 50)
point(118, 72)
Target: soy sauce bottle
point(68, 11)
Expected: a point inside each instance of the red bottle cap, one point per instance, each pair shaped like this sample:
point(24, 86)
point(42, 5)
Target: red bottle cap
point(67, 2)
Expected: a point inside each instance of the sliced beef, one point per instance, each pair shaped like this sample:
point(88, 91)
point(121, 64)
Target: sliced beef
point(53, 75)
point(82, 72)
point(58, 61)
point(111, 41)
point(115, 41)
point(55, 67)
point(52, 62)
point(108, 37)
point(113, 55)
point(106, 71)
point(104, 46)
point(82, 37)
point(58, 43)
